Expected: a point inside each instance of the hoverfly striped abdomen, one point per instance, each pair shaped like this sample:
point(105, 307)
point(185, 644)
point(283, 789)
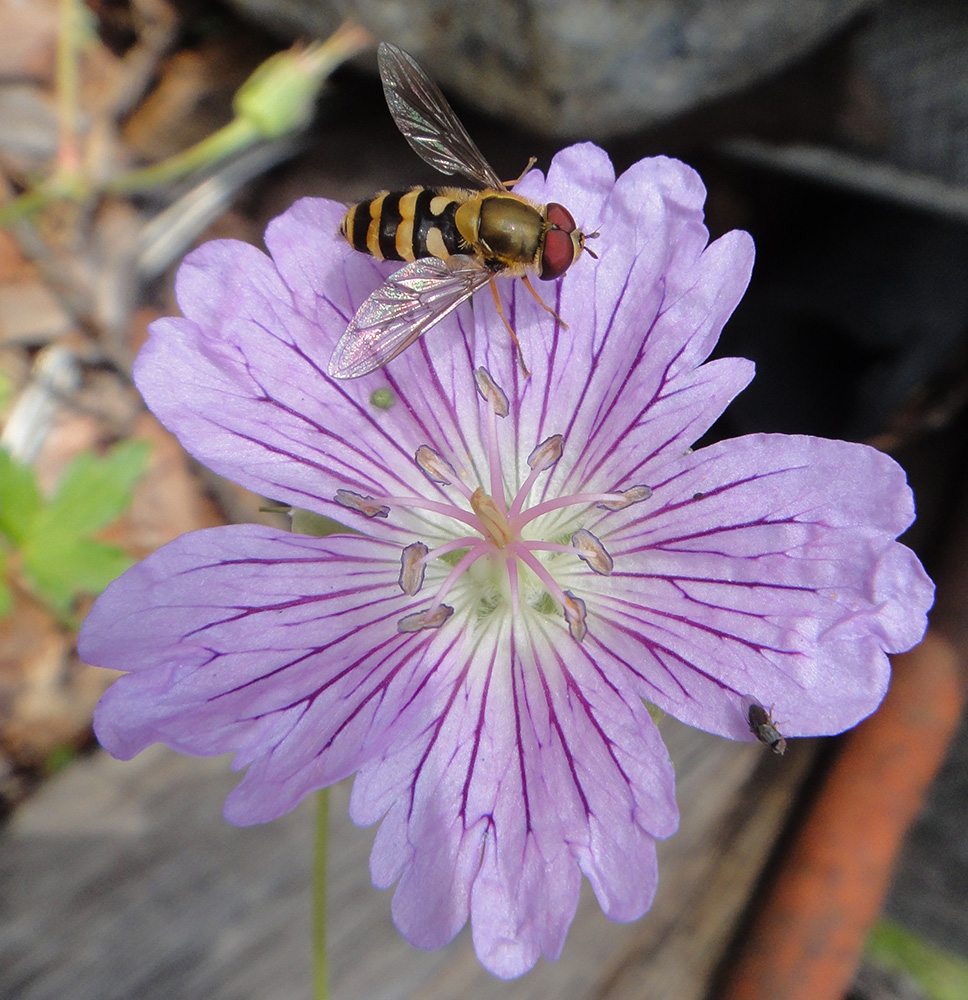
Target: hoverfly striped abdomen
point(406, 225)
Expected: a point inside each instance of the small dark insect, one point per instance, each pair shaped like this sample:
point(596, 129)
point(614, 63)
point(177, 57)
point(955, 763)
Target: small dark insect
point(764, 728)
point(456, 240)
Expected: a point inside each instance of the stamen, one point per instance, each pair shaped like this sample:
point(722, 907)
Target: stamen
point(447, 509)
point(367, 506)
point(478, 549)
point(494, 395)
point(546, 454)
point(518, 521)
point(591, 551)
point(457, 543)
point(575, 614)
point(543, 457)
point(493, 519)
point(491, 392)
point(425, 619)
point(412, 568)
point(537, 546)
point(435, 468)
point(634, 494)
point(523, 552)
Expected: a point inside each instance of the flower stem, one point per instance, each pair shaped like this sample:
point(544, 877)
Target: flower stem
point(320, 956)
point(69, 36)
point(228, 140)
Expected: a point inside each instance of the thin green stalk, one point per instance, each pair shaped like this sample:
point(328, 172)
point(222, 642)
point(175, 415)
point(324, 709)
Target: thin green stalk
point(230, 139)
point(320, 955)
point(276, 100)
point(69, 34)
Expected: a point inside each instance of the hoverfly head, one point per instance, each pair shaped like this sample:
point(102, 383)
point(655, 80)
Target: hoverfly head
point(563, 242)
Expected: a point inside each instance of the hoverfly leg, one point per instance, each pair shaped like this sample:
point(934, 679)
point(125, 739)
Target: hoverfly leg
point(514, 338)
point(510, 184)
point(541, 302)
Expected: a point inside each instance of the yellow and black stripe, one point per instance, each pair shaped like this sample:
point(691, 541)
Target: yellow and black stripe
point(406, 225)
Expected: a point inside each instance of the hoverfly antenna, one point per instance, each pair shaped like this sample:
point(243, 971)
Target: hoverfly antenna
point(588, 249)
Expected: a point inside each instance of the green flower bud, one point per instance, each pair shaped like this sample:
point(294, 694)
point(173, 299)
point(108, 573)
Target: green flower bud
point(279, 97)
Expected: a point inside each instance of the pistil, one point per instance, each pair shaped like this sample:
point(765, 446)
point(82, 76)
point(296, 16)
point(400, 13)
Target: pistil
point(493, 520)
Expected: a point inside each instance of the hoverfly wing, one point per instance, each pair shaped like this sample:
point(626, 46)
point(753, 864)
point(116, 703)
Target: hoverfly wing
point(428, 122)
point(402, 309)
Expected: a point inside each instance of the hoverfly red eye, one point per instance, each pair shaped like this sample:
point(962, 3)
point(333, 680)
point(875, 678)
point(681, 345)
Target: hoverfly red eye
point(560, 218)
point(557, 255)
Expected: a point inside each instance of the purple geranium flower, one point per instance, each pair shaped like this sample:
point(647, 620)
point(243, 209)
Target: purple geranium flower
point(532, 558)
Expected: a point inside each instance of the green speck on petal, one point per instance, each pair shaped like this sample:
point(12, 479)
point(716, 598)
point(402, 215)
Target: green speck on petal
point(382, 398)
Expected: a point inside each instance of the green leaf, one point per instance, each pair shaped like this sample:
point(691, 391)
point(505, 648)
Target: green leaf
point(939, 974)
point(306, 522)
point(57, 759)
point(20, 499)
point(60, 565)
point(6, 390)
point(95, 491)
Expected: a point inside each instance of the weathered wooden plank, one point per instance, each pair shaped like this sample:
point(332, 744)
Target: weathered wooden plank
point(121, 880)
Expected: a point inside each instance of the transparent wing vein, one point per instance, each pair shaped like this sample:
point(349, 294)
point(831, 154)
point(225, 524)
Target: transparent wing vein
point(402, 309)
point(428, 122)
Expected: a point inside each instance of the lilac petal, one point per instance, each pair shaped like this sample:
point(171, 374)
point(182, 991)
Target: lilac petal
point(432, 381)
point(764, 566)
point(606, 302)
point(528, 776)
point(241, 380)
point(701, 298)
point(252, 401)
point(657, 429)
point(278, 647)
point(523, 900)
point(642, 318)
point(580, 177)
point(236, 383)
point(328, 279)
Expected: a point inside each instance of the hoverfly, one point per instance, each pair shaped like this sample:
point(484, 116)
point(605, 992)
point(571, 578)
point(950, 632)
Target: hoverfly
point(456, 240)
point(764, 728)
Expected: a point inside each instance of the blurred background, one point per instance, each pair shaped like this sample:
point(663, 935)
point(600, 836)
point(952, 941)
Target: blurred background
point(835, 131)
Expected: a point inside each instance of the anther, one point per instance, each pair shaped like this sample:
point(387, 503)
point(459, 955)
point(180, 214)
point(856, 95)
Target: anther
point(435, 468)
point(493, 519)
point(575, 615)
point(420, 620)
point(412, 567)
point(591, 551)
point(367, 506)
point(491, 391)
point(634, 494)
point(546, 454)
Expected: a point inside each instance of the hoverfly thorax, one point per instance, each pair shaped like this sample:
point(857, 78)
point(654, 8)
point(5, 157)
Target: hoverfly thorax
point(454, 241)
point(509, 229)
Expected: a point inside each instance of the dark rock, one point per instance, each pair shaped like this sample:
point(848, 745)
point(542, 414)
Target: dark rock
point(592, 68)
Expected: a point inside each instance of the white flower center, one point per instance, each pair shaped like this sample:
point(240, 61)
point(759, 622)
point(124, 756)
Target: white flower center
point(497, 566)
